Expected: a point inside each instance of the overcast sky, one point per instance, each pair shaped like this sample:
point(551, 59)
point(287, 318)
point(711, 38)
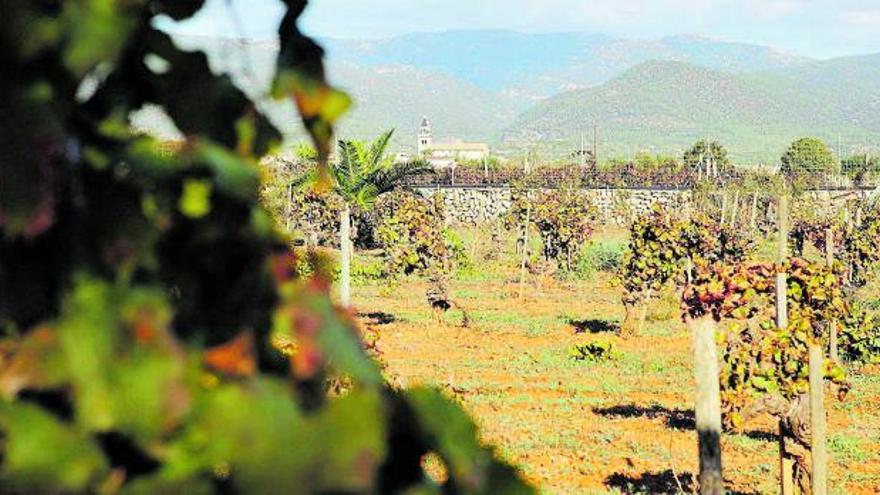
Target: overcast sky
point(816, 28)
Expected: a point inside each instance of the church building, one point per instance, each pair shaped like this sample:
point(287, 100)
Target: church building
point(448, 153)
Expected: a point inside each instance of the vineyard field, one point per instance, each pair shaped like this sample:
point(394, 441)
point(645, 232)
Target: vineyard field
point(623, 425)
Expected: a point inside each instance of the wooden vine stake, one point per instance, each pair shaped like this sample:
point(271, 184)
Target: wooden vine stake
point(754, 213)
point(723, 208)
point(786, 462)
point(708, 405)
point(735, 213)
point(781, 256)
point(832, 325)
point(818, 451)
point(817, 420)
point(525, 250)
point(476, 242)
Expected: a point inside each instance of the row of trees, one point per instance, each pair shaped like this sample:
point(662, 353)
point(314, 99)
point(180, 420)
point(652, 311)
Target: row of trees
point(809, 160)
point(803, 155)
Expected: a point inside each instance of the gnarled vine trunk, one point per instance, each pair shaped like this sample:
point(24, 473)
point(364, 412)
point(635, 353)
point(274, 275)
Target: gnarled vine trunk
point(631, 324)
point(345, 250)
point(635, 316)
point(794, 446)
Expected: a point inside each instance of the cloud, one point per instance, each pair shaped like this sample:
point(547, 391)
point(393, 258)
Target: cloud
point(770, 11)
point(868, 18)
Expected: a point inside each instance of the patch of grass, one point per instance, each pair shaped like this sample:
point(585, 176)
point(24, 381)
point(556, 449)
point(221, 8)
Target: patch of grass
point(600, 256)
point(744, 442)
point(847, 448)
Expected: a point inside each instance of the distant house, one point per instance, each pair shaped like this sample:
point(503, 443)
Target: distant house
point(447, 154)
point(402, 158)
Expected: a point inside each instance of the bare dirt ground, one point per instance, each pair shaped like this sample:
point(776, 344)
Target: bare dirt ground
point(624, 425)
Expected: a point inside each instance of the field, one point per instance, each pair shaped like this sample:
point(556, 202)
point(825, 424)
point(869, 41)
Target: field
point(577, 426)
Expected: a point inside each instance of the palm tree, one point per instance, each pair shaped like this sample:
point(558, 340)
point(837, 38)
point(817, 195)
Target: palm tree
point(360, 175)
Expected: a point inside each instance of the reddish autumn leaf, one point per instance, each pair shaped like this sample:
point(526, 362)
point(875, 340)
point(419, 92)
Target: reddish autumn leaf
point(235, 358)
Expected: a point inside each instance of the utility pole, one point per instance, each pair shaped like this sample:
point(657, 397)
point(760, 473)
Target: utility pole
point(596, 145)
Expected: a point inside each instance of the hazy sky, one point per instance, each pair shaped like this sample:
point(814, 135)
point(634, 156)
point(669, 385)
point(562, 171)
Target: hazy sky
point(818, 28)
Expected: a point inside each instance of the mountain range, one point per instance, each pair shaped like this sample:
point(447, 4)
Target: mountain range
point(666, 106)
point(517, 90)
point(535, 66)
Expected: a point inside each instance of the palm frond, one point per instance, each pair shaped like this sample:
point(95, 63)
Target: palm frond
point(378, 149)
point(363, 172)
point(388, 179)
point(304, 180)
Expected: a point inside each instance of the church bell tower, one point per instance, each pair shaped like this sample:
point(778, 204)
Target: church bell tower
point(425, 136)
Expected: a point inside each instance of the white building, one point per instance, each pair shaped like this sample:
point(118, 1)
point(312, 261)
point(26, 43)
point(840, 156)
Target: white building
point(447, 154)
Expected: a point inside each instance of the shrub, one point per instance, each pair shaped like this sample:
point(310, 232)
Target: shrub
point(764, 369)
point(601, 256)
point(861, 168)
point(411, 233)
point(856, 247)
point(566, 220)
point(663, 249)
point(859, 339)
point(458, 254)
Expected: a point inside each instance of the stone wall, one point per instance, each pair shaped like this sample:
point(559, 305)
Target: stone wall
point(468, 205)
point(472, 205)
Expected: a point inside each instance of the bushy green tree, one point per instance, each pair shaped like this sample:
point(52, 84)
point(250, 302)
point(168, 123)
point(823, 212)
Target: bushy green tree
point(808, 155)
point(708, 156)
point(860, 167)
point(647, 161)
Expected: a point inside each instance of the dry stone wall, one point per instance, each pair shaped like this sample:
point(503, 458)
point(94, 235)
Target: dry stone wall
point(468, 205)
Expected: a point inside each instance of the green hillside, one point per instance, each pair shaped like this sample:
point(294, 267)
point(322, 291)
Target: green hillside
point(663, 107)
point(398, 96)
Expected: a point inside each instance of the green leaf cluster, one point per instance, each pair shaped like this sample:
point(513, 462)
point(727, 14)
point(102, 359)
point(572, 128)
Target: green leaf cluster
point(764, 367)
point(411, 233)
point(663, 249)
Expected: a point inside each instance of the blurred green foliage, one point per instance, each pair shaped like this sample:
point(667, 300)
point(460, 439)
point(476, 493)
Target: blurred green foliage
point(140, 283)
